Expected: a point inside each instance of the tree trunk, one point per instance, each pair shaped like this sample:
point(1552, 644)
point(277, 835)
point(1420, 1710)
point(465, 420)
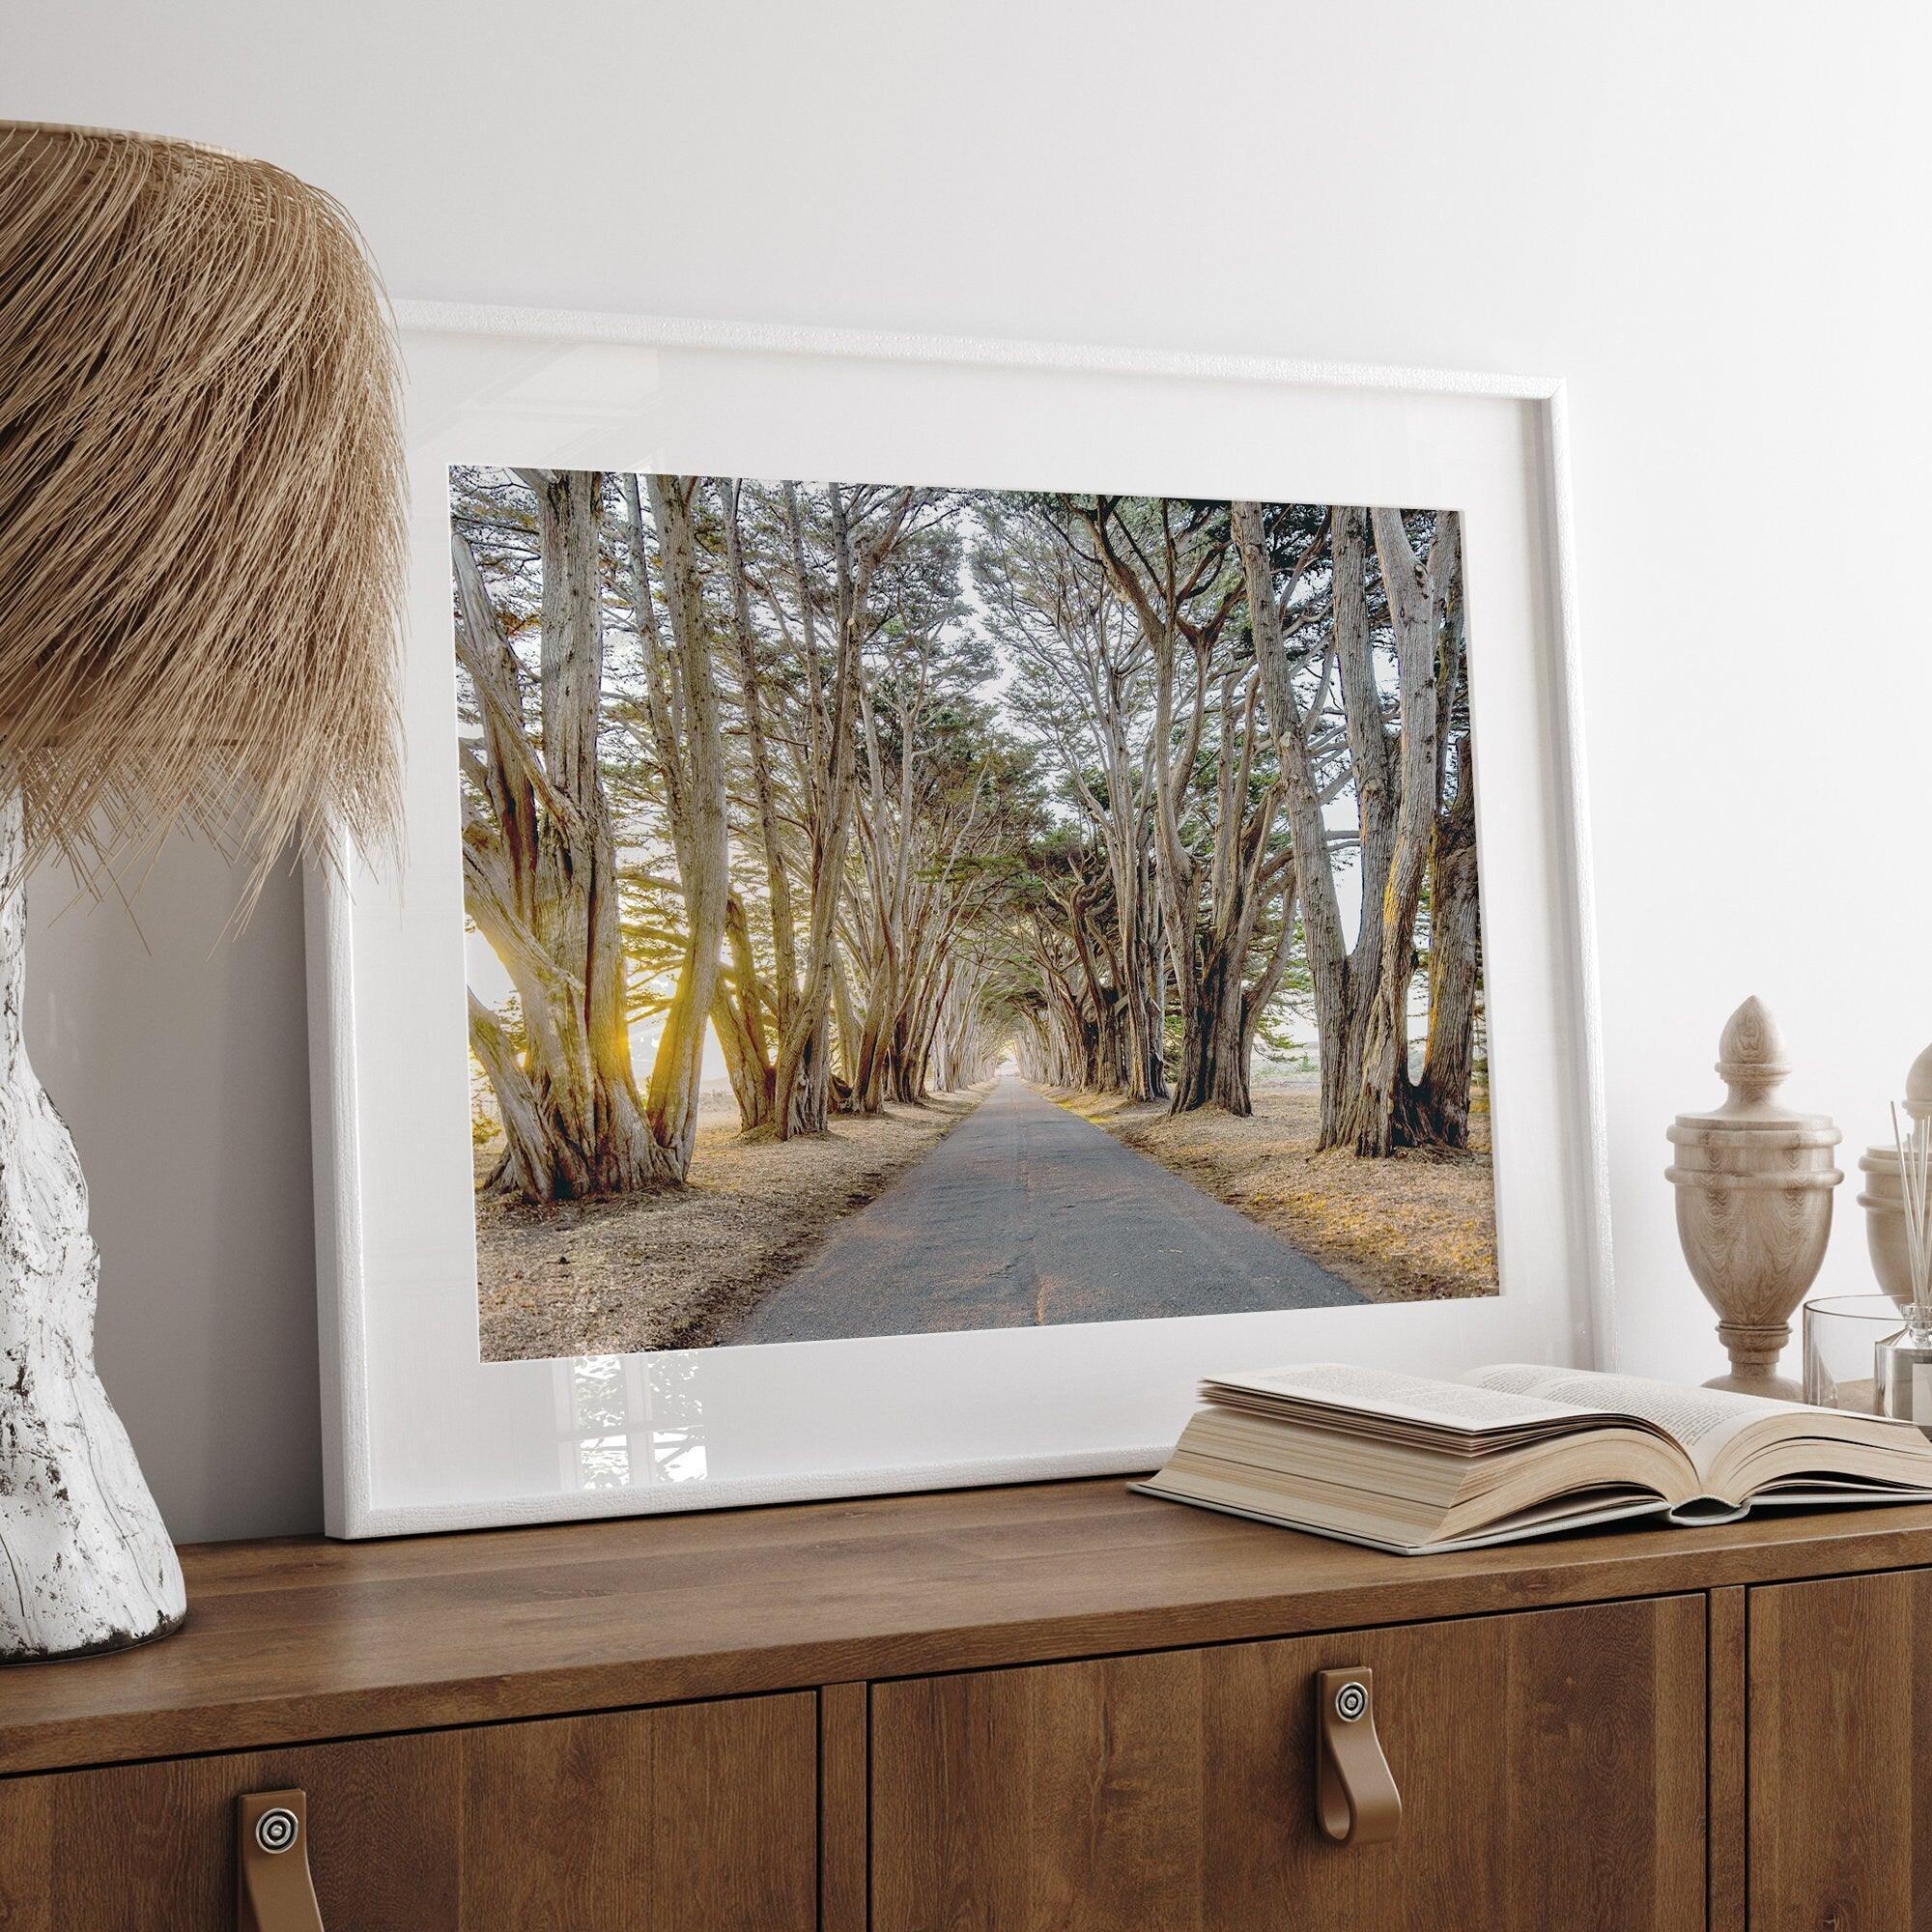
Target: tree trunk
point(85, 1560)
point(738, 1020)
point(540, 873)
point(1110, 1047)
point(672, 1102)
point(777, 882)
point(1213, 1069)
point(801, 1081)
point(503, 841)
point(586, 905)
point(526, 1168)
point(1146, 987)
point(738, 1008)
point(1372, 768)
point(1175, 869)
point(807, 1091)
point(569, 846)
point(845, 1024)
point(868, 1074)
point(1455, 942)
point(1384, 1108)
point(1327, 947)
point(1255, 998)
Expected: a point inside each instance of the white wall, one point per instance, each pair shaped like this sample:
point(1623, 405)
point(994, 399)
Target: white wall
point(1710, 219)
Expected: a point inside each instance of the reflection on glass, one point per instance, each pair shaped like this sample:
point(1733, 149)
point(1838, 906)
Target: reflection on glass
point(609, 1402)
point(598, 1388)
point(673, 1416)
point(599, 1410)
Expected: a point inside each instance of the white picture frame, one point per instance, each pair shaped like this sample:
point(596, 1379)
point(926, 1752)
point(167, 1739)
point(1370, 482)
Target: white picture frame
point(421, 1434)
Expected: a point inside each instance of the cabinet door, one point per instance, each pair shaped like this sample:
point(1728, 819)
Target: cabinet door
point(692, 1818)
point(1550, 1766)
point(1840, 1736)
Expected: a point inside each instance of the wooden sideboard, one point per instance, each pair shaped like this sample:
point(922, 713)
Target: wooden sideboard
point(999, 1711)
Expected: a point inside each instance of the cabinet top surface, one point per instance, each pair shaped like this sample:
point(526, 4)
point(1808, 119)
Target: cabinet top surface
point(301, 1639)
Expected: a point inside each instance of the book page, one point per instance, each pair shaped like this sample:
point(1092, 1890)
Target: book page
point(1702, 1420)
point(1460, 1406)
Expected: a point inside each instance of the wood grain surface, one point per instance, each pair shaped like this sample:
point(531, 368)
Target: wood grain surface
point(1551, 1768)
point(1840, 1728)
point(303, 1640)
point(1726, 1782)
point(844, 1781)
point(698, 1818)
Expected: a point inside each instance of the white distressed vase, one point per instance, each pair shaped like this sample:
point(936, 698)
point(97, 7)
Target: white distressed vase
point(85, 1560)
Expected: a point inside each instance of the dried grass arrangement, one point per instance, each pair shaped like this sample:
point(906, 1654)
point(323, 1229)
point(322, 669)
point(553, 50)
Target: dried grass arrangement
point(202, 528)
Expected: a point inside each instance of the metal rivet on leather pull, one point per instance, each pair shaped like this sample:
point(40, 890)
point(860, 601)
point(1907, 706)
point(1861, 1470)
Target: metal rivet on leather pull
point(277, 1829)
point(1350, 1702)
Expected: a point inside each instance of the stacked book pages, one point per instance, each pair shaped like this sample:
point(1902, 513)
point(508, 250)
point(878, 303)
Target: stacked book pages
point(1414, 1466)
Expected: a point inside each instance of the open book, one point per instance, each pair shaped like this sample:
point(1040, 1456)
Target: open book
point(1406, 1464)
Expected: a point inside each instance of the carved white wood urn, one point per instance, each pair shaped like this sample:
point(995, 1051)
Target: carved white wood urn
point(1754, 1183)
point(85, 1561)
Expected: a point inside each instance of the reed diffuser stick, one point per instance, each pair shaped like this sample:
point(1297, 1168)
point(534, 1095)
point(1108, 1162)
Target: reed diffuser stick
point(1911, 1133)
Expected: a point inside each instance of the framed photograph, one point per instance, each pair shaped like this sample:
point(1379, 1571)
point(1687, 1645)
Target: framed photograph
point(951, 889)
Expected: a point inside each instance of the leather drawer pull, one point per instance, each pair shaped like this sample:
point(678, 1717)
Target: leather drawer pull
point(1355, 1798)
point(273, 1890)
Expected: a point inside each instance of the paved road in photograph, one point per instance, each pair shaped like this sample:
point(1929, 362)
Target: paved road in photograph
point(1026, 1213)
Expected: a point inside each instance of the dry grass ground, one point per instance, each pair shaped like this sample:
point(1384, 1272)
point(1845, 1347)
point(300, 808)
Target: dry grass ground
point(1413, 1228)
point(665, 1270)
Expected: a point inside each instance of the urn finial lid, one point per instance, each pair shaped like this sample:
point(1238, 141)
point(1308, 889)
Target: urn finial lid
point(1882, 1156)
point(1750, 1055)
point(1752, 1065)
point(1919, 1086)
